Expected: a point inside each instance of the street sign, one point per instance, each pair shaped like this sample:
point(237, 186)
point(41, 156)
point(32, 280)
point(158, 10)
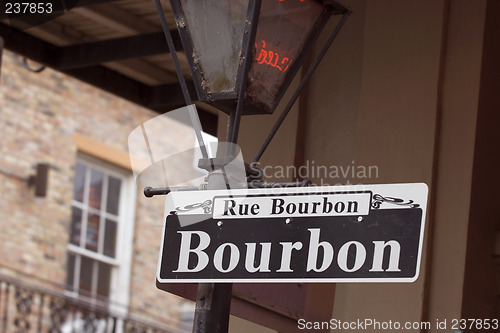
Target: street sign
point(362, 233)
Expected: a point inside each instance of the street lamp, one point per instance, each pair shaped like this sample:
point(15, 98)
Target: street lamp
point(215, 37)
point(243, 55)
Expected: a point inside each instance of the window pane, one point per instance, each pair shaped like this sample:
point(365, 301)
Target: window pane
point(94, 227)
point(86, 272)
point(79, 182)
point(70, 273)
point(92, 239)
point(110, 238)
point(95, 191)
point(76, 225)
point(104, 278)
point(114, 185)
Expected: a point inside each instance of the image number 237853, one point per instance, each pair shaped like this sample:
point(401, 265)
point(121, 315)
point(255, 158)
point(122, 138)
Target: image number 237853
point(28, 8)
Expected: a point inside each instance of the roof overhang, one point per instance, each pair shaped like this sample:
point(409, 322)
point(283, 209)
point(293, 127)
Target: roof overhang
point(117, 46)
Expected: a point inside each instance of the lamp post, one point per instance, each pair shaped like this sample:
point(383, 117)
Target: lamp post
point(243, 55)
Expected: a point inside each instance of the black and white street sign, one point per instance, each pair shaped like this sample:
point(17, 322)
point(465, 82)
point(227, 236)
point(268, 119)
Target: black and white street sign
point(363, 233)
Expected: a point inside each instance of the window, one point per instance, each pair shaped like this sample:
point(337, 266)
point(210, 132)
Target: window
point(100, 239)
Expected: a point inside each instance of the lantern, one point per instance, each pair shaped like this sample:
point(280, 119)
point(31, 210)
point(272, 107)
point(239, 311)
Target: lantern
point(216, 36)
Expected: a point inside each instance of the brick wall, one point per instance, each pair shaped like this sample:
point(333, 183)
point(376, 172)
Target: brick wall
point(39, 114)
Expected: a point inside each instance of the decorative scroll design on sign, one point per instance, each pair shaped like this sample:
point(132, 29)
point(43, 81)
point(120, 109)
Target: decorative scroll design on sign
point(378, 200)
point(206, 205)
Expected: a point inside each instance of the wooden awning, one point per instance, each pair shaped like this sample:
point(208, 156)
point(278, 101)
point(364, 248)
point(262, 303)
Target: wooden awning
point(117, 46)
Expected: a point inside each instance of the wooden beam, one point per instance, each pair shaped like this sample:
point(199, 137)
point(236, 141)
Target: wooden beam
point(209, 121)
point(142, 71)
point(90, 54)
point(52, 33)
point(161, 98)
point(69, 56)
point(26, 45)
point(117, 19)
point(124, 87)
point(99, 76)
point(85, 3)
point(161, 101)
point(162, 95)
point(112, 82)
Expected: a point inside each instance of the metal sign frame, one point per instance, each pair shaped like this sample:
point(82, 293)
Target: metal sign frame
point(379, 217)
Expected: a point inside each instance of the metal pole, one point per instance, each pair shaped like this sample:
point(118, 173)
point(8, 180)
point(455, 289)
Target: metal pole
point(213, 300)
point(213, 305)
point(173, 53)
point(185, 91)
point(248, 42)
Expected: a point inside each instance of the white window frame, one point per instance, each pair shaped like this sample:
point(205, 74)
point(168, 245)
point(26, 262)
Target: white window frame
point(119, 293)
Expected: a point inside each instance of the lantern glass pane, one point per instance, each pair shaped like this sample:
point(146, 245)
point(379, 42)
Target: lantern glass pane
point(284, 27)
point(216, 29)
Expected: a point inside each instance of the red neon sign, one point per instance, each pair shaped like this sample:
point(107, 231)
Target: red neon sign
point(271, 58)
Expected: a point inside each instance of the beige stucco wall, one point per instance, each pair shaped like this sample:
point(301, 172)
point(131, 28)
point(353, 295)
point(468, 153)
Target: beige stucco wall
point(400, 90)
point(417, 97)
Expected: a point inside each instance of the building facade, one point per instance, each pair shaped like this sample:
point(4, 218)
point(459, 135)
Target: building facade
point(90, 242)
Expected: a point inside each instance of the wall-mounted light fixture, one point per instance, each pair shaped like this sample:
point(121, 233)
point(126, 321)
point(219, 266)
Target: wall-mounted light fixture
point(40, 180)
